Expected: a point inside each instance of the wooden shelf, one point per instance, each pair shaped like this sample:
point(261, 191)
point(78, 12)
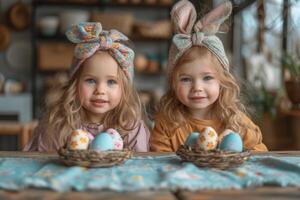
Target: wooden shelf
point(63, 38)
point(90, 5)
point(52, 71)
point(292, 112)
point(97, 3)
point(57, 37)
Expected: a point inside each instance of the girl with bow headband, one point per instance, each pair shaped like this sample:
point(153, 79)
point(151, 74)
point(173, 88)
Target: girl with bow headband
point(99, 95)
point(202, 92)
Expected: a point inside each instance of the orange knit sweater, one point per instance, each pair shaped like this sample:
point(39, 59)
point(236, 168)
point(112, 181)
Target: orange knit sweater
point(168, 139)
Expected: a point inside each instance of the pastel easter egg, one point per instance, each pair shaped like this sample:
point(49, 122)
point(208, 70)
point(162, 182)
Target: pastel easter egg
point(208, 139)
point(117, 139)
point(78, 140)
point(91, 137)
point(102, 142)
point(232, 142)
point(192, 139)
point(224, 133)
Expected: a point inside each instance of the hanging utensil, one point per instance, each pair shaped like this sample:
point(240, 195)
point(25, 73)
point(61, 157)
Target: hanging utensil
point(5, 36)
point(18, 16)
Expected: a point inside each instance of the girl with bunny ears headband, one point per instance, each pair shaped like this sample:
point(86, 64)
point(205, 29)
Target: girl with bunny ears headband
point(201, 90)
point(99, 95)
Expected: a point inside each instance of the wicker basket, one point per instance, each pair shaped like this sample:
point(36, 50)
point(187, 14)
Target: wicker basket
point(90, 158)
point(212, 159)
point(122, 21)
point(159, 29)
point(54, 56)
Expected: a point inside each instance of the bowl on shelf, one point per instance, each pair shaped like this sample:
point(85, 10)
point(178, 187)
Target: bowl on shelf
point(67, 18)
point(48, 25)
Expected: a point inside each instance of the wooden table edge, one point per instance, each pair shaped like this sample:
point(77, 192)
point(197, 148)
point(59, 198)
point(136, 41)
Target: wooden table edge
point(143, 154)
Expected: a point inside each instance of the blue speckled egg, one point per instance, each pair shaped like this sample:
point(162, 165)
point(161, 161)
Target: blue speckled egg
point(102, 142)
point(192, 139)
point(232, 142)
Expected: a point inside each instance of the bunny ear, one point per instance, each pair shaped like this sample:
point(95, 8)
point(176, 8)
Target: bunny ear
point(211, 22)
point(183, 16)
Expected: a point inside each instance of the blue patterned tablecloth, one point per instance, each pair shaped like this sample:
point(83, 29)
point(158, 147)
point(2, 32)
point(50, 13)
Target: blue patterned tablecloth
point(139, 173)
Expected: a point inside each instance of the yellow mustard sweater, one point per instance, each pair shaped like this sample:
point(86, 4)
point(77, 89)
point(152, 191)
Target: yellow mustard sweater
point(168, 139)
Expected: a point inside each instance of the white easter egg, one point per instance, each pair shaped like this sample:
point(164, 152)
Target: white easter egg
point(208, 139)
point(78, 140)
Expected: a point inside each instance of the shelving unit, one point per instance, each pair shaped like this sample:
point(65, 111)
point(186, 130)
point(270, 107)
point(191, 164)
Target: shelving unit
point(100, 4)
point(59, 37)
point(144, 81)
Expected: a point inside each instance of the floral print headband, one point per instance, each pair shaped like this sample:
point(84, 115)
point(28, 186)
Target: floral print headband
point(189, 33)
point(90, 38)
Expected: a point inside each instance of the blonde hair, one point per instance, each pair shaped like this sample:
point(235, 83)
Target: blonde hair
point(228, 108)
point(67, 113)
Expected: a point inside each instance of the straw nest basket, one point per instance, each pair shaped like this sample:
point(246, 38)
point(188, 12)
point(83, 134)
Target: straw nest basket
point(213, 158)
point(91, 158)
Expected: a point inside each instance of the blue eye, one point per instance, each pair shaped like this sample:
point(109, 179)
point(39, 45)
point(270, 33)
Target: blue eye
point(185, 80)
point(90, 81)
point(207, 78)
point(111, 82)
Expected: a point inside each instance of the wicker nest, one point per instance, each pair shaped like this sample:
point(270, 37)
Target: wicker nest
point(212, 159)
point(90, 158)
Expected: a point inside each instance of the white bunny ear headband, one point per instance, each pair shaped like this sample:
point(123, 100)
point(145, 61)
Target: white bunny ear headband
point(189, 33)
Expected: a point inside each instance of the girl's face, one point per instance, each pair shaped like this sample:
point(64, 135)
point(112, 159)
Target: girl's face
point(99, 87)
point(197, 86)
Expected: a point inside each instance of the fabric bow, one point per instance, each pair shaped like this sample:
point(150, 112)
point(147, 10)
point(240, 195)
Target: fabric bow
point(201, 33)
point(185, 41)
point(90, 38)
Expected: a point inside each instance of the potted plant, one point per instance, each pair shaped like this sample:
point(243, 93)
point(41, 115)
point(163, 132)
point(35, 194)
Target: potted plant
point(291, 65)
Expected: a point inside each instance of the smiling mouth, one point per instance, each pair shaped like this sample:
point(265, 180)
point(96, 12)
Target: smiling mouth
point(196, 98)
point(99, 101)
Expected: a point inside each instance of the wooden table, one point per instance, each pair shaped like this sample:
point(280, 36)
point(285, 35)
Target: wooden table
point(262, 193)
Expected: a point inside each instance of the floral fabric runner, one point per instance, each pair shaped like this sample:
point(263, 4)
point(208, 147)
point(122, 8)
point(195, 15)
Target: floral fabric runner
point(140, 173)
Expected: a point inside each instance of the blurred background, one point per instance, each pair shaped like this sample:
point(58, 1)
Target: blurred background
point(262, 43)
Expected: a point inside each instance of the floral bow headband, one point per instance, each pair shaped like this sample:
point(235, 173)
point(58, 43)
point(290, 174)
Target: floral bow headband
point(90, 38)
point(189, 33)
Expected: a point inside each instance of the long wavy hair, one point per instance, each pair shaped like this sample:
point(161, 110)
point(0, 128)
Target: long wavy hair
point(66, 113)
point(227, 109)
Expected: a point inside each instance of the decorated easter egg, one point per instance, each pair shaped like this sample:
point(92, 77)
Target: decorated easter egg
point(232, 142)
point(224, 133)
point(102, 142)
point(78, 140)
point(117, 139)
point(208, 139)
point(192, 139)
point(91, 137)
